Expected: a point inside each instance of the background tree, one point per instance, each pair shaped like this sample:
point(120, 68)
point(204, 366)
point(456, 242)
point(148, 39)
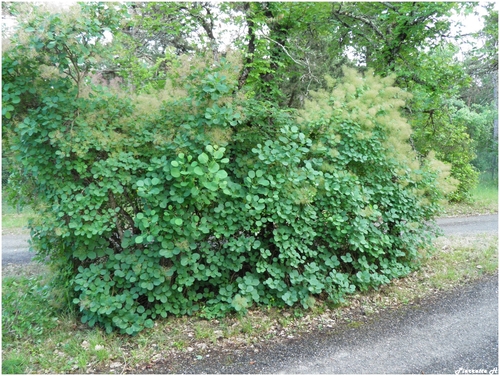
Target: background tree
point(400, 38)
point(480, 100)
point(154, 33)
point(289, 47)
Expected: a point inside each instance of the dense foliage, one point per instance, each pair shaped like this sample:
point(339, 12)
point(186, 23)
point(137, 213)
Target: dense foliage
point(478, 105)
point(289, 47)
point(198, 192)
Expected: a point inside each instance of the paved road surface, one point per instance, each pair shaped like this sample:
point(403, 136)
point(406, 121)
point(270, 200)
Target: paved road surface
point(15, 249)
point(468, 225)
point(452, 331)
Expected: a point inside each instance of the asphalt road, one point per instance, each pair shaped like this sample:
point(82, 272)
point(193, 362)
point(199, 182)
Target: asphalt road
point(15, 247)
point(469, 225)
point(451, 333)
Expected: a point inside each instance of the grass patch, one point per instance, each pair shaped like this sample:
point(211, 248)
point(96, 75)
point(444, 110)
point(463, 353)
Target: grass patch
point(484, 201)
point(462, 258)
point(13, 365)
point(39, 337)
point(16, 223)
point(26, 308)
point(15, 220)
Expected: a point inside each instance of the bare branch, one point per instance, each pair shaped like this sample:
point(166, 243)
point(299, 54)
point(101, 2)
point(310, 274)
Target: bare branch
point(390, 6)
point(286, 51)
point(366, 21)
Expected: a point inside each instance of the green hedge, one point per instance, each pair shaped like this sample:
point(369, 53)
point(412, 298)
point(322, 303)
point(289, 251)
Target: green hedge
point(197, 198)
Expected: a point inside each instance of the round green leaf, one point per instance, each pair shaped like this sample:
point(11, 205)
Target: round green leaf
point(203, 158)
point(263, 182)
point(213, 167)
point(221, 174)
point(210, 185)
point(198, 171)
point(218, 154)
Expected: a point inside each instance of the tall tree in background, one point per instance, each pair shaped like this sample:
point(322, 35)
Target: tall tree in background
point(480, 100)
point(409, 40)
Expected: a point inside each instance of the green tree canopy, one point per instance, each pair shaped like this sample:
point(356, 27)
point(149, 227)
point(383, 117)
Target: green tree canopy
point(288, 48)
